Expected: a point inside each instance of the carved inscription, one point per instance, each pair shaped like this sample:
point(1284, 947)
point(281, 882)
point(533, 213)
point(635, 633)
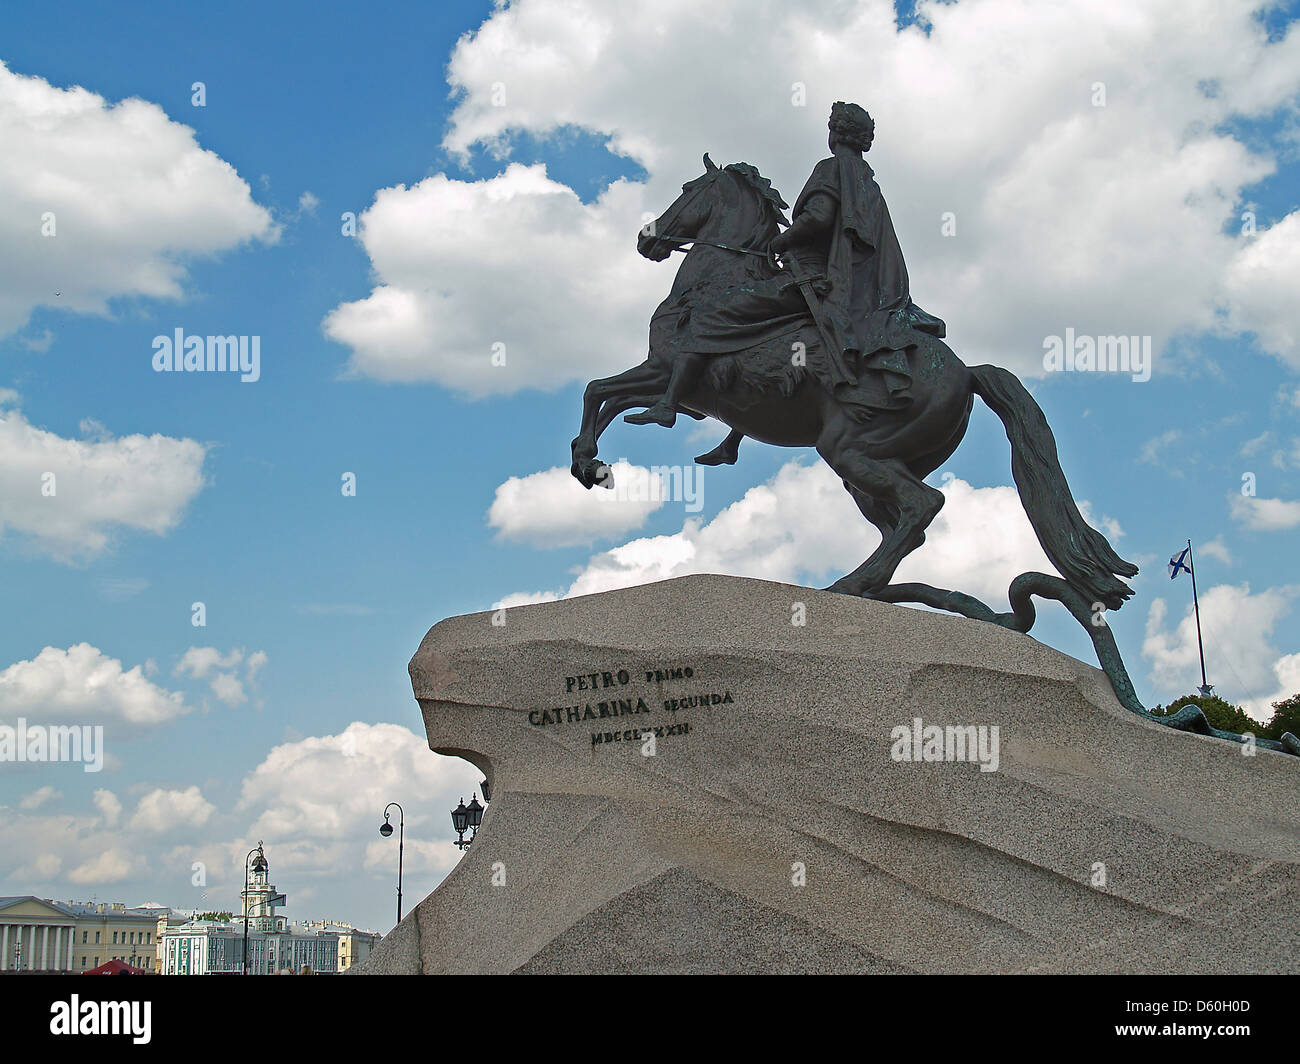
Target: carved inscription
point(614, 695)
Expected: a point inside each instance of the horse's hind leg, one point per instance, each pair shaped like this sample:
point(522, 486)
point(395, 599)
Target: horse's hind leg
point(884, 489)
point(880, 513)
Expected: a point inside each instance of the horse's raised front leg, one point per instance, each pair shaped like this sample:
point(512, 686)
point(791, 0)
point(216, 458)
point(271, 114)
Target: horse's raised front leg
point(609, 410)
point(892, 497)
point(639, 379)
point(594, 470)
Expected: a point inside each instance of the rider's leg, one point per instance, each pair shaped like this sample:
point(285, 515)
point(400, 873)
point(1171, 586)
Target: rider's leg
point(685, 371)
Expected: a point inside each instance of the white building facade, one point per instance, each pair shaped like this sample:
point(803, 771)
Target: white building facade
point(36, 935)
point(41, 935)
point(202, 947)
point(206, 947)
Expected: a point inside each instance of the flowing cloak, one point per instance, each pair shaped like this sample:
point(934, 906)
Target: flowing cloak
point(869, 296)
point(840, 228)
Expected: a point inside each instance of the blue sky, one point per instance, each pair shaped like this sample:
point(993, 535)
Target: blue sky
point(1121, 218)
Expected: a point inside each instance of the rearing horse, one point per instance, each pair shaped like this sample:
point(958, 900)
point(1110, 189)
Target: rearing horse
point(729, 216)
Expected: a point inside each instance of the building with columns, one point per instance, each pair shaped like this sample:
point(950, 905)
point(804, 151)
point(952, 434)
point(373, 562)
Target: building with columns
point(37, 935)
point(40, 935)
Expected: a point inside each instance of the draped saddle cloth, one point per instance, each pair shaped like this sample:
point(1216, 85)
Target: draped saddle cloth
point(884, 377)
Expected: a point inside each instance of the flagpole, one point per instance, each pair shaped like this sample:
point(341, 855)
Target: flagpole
point(1196, 607)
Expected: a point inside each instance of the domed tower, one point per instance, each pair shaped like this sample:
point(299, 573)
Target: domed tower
point(260, 898)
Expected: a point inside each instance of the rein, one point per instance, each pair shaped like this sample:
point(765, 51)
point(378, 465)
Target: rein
point(713, 244)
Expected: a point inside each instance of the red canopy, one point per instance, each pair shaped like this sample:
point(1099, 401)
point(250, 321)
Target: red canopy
point(115, 968)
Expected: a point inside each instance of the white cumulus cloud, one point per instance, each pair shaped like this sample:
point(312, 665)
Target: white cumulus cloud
point(69, 496)
point(127, 194)
point(112, 865)
point(1240, 658)
point(1261, 283)
point(1093, 177)
point(109, 806)
point(83, 684)
point(221, 670)
point(802, 526)
point(322, 797)
point(1265, 515)
point(551, 509)
point(477, 283)
point(38, 798)
point(162, 810)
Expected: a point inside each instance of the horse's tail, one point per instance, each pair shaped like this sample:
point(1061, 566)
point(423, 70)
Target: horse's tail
point(1079, 551)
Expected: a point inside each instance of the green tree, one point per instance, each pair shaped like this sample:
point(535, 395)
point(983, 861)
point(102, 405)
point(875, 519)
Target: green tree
point(1286, 718)
point(1222, 715)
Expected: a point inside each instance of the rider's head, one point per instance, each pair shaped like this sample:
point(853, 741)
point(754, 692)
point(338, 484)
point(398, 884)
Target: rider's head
point(850, 125)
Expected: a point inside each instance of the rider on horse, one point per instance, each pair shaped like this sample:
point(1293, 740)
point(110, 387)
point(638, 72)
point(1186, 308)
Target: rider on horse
point(842, 235)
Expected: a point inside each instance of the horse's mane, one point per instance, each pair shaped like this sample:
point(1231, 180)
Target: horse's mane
point(763, 187)
point(770, 216)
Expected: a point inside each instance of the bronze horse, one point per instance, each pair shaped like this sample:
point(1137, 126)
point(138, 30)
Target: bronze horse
point(729, 215)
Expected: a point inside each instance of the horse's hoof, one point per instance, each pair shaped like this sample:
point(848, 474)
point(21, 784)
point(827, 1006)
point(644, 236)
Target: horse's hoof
point(591, 471)
point(576, 471)
point(857, 585)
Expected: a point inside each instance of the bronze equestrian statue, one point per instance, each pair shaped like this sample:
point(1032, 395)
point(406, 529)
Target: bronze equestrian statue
point(808, 337)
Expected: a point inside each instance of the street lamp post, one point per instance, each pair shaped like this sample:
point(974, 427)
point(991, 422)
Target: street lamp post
point(466, 818)
point(255, 850)
point(386, 829)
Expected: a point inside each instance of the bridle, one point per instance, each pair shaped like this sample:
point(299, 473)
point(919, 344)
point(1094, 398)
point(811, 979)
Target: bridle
point(769, 256)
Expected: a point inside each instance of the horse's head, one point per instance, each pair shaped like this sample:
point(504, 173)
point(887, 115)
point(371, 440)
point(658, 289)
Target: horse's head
point(684, 218)
point(733, 202)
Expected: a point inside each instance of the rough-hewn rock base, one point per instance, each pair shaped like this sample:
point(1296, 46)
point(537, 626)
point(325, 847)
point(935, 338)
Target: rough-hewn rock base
point(772, 831)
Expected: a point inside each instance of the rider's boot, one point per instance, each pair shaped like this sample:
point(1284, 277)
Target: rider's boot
point(664, 412)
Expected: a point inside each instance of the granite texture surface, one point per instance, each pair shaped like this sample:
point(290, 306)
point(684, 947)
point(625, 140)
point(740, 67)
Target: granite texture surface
point(773, 827)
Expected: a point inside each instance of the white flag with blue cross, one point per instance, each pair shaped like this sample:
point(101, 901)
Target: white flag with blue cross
point(1178, 563)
